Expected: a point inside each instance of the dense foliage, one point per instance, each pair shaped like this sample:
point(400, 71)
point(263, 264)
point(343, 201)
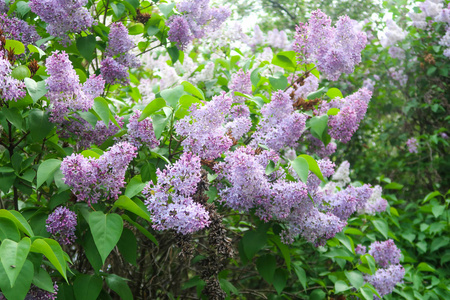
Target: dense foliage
point(154, 150)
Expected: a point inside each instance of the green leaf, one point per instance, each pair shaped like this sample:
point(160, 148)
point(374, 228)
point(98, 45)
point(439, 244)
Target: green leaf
point(159, 124)
point(152, 107)
point(43, 280)
point(128, 246)
point(438, 210)
point(425, 267)
point(152, 30)
point(280, 280)
point(173, 95)
point(18, 219)
point(355, 278)
point(439, 242)
point(228, 286)
point(37, 90)
point(134, 187)
point(333, 111)
point(366, 292)
point(334, 92)
point(141, 229)
point(253, 241)
point(313, 166)
point(340, 286)
point(166, 8)
point(270, 167)
point(86, 46)
point(46, 170)
point(101, 107)
point(91, 153)
point(136, 29)
point(14, 116)
point(39, 125)
point(22, 7)
point(118, 9)
point(191, 89)
point(174, 54)
point(316, 94)
point(87, 287)
point(278, 83)
point(18, 47)
point(301, 274)
point(8, 230)
point(317, 294)
point(23, 282)
point(52, 250)
point(34, 49)
point(382, 227)
point(354, 231)
point(284, 249)
point(120, 286)
point(20, 72)
point(318, 126)
point(126, 203)
point(394, 186)
point(266, 266)
point(285, 59)
point(106, 231)
point(430, 196)
point(301, 167)
point(91, 252)
point(13, 256)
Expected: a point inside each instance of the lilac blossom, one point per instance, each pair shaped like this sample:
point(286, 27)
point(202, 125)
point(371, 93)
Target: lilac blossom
point(398, 75)
point(170, 200)
point(334, 50)
point(16, 29)
point(301, 90)
point(114, 67)
point(65, 92)
point(384, 280)
point(352, 110)
point(385, 253)
point(396, 52)
point(141, 132)
point(392, 34)
point(10, 88)
point(280, 125)
point(196, 19)
point(92, 179)
point(360, 249)
point(203, 129)
point(61, 224)
point(375, 203)
point(240, 82)
point(412, 145)
point(342, 174)
point(316, 146)
point(83, 132)
point(63, 17)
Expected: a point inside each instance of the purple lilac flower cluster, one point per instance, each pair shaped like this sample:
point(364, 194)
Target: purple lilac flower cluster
point(3, 6)
point(412, 145)
point(65, 92)
point(280, 125)
point(334, 50)
point(63, 17)
point(170, 201)
point(36, 293)
point(240, 82)
point(375, 203)
point(61, 224)
point(274, 197)
point(301, 91)
point(203, 128)
point(10, 88)
point(114, 67)
point(316, 146)
point(387, 255)
point(141, 132)
point(84, 133)
point(16, 29)
point(93, 179)
point(195, 20)
point(360, 249)
point(352, 110)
